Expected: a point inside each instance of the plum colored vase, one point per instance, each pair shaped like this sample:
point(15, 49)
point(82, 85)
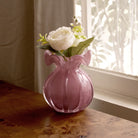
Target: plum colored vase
point(68, 88)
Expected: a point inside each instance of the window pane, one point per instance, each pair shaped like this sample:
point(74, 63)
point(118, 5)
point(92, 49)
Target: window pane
point(114, 23)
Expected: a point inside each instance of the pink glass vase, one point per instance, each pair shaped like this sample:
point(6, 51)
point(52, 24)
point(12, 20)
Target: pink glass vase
point(68, 88)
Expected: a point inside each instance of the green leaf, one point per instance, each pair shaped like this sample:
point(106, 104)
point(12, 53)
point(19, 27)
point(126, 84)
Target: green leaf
point(80, 48)
point(44, 47)
point(48, 47)
point(67, 52)
point(42, 39)
point(40, 35)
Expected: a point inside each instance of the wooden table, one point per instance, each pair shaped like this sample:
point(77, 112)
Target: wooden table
point(25, 114)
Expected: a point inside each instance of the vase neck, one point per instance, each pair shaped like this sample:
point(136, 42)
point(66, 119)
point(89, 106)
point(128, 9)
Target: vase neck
point(68, 62)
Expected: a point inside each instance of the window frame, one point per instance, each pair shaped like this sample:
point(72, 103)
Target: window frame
point(117, 85)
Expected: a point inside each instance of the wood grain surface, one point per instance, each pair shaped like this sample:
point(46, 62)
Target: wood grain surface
point(25, 114)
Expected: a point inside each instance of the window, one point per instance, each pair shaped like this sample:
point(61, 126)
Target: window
point(114, 65)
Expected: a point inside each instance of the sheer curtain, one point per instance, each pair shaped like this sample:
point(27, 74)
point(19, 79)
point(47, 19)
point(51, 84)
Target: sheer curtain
point(115, 26)
point(21, 63)
point(115, 23)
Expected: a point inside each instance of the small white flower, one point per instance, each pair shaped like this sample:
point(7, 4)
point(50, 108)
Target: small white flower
point(61, 39)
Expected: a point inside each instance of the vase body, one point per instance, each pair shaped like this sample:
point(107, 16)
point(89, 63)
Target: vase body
point(68, 88)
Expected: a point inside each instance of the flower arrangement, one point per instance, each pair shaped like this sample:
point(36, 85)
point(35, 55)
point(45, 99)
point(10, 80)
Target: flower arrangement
point(67, 84)
point(66, 41)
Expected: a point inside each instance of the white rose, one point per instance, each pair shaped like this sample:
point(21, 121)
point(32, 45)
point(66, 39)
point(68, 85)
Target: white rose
point(61, 39)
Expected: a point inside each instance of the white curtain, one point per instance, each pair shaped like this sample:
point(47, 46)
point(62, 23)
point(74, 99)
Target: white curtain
point(21, 63)
point(114, 23)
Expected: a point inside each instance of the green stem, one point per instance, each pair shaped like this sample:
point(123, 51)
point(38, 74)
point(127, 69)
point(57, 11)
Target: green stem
point(62, 55)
